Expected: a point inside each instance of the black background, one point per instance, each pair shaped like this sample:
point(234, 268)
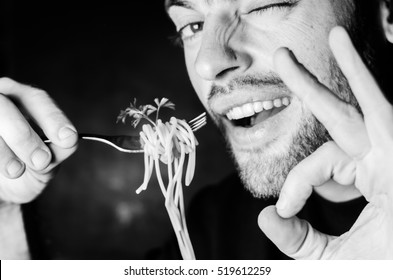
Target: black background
point(94, 59)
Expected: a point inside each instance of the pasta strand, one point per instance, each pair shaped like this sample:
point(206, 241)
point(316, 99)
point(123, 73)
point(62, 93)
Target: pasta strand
point(170, 143)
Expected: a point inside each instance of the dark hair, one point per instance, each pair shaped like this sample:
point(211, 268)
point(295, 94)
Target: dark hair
point(390, 7)
point(367, 33)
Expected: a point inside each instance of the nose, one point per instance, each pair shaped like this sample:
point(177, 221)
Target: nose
point(221, 53)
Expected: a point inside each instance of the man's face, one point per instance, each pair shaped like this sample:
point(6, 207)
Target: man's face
point(229, 47)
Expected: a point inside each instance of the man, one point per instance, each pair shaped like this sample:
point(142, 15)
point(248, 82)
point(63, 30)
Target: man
point(286, 86)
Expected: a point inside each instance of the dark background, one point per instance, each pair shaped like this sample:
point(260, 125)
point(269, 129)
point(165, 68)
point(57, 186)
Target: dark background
point(94, 59)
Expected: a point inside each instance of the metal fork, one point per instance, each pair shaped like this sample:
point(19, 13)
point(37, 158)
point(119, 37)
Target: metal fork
point(131, 143)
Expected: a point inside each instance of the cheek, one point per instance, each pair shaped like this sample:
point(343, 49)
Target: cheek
point(305, 32)
point(307, 36)
point(313, 52)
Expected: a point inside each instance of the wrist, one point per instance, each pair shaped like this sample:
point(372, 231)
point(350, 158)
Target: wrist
point(13, 242)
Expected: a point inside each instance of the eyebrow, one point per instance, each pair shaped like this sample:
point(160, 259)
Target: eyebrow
point(179, 3)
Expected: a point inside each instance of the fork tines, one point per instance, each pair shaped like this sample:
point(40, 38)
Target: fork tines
point(198, 122)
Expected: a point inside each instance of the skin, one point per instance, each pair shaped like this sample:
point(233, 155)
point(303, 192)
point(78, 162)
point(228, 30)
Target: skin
point(239, 40)
point(26, 163)
point(235, 44)
point(360, 154)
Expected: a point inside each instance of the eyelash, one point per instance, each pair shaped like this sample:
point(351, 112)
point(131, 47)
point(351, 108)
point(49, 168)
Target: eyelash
point(178, 39)
point(279, 6)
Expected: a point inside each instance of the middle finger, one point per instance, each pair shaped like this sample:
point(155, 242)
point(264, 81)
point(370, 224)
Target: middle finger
point(21, 138)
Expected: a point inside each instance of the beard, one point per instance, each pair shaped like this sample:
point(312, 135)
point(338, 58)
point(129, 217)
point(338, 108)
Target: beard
point(263, 170)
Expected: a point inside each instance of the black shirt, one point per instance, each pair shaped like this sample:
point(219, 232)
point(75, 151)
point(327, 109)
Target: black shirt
point(222, 222)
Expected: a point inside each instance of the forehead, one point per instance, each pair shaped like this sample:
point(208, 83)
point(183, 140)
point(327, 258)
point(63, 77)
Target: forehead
point(343, 8)
point(188, 4)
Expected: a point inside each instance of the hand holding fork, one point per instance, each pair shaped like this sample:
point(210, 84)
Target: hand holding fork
point(131, 143)
point(27, 163)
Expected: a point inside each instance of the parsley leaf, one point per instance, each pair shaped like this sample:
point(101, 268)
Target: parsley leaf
point(137, 113)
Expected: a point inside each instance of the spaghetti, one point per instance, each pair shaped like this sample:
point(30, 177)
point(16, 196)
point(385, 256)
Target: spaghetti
point(171, 143)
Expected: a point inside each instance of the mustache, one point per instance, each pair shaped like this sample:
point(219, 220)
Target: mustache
point(239, 83)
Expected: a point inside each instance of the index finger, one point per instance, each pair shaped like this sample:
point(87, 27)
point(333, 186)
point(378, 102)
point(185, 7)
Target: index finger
point(378, 112)
point(46, 114)
point(362, 83)
point(344, 123)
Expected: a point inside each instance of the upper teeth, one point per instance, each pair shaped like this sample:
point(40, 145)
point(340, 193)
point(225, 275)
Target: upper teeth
point(250, 109)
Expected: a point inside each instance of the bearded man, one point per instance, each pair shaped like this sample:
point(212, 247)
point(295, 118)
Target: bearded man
point(297, 88)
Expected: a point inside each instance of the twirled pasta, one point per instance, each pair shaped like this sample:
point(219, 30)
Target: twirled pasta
point(170, 143)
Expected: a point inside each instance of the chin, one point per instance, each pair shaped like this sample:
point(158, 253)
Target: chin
point(263, 170)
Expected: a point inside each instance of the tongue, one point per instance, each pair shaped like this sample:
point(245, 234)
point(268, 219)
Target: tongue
point(264, 115)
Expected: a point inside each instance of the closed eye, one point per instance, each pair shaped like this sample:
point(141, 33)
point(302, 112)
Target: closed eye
point(273, 6)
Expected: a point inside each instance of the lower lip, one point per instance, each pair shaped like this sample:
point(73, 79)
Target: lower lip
point(262, 133)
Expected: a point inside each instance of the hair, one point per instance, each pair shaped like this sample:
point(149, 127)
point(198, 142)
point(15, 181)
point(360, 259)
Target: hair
point(367, 35)
point(388, 3)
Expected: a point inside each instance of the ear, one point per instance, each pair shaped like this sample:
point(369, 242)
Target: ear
point(387, 19)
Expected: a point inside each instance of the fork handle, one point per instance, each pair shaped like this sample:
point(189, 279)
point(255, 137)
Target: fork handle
point(80, 136)
point(123, 143)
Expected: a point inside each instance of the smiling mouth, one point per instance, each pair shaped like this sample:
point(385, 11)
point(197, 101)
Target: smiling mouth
point(250, 114)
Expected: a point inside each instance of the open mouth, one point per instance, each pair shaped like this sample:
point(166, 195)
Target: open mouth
point(250, 114)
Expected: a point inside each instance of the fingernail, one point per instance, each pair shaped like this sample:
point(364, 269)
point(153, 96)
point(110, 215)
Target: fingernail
point(40, 158)
point(14, 167)
point(66, 132)
point(281, 204)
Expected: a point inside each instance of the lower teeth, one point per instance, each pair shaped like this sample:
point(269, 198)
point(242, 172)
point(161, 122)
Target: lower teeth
point(252, 120)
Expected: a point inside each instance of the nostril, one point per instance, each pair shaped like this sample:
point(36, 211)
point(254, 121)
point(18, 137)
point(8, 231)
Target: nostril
point(226, 71)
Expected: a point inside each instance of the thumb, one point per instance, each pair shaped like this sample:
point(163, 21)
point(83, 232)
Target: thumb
point(294, 237)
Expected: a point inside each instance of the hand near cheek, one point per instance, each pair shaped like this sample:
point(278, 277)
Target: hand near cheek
point(360, 155)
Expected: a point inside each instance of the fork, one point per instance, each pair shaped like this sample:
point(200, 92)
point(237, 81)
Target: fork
point(131, 143)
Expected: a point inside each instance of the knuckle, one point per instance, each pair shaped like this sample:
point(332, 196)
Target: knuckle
point(329, 145)
point(57, 116)
point(10, 166)
point(38, 93)
point(6, 82)
point(21, 132)
point(8, 85)
point(328, 148)
point(49, 106)
point(351, 112)
point(11, 87)
point(348, 114)
point(348, 117)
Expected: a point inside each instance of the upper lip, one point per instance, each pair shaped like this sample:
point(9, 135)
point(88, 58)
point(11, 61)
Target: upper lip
point(224, 103)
